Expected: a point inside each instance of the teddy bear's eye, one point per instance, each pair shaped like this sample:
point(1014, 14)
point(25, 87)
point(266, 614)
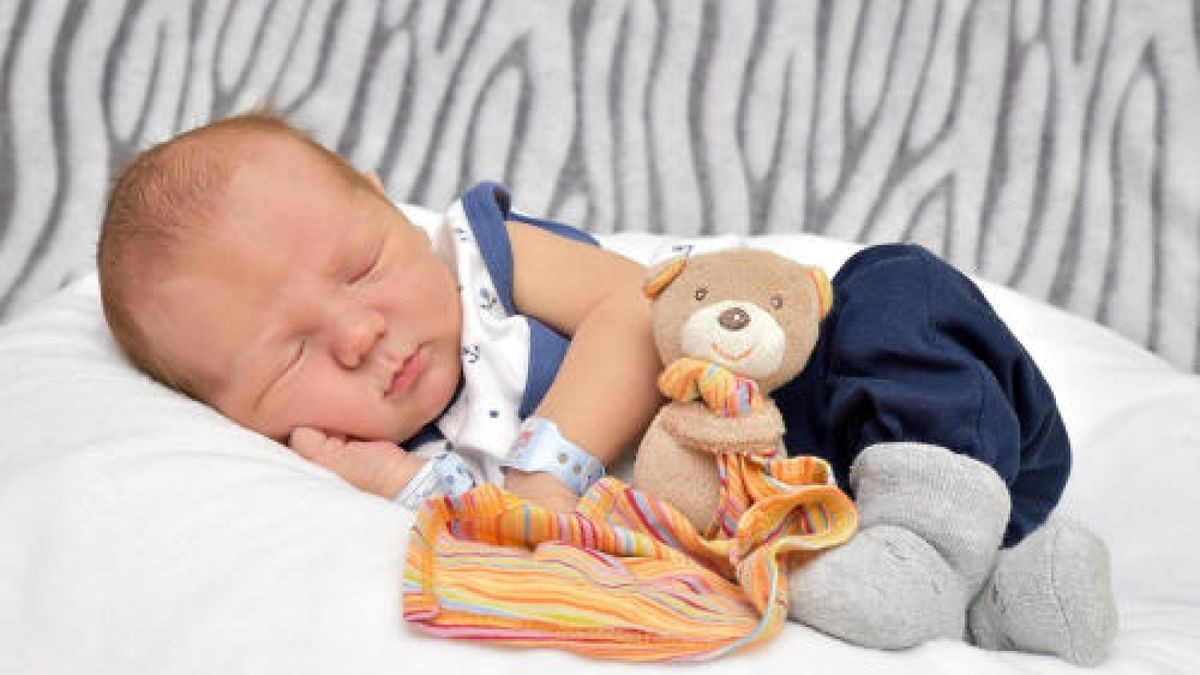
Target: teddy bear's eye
point(777, 301)
point(701, 292)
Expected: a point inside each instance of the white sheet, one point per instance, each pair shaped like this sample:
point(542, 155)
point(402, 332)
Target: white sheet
point(141, 532)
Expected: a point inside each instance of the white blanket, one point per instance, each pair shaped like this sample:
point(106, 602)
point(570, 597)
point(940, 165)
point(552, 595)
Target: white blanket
point(142, 532)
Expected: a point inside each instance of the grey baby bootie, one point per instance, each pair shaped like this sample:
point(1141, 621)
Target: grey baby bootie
point(930, 524)
point(1049, 594)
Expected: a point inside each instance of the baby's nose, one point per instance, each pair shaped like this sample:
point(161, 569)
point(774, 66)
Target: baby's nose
point(357, 334)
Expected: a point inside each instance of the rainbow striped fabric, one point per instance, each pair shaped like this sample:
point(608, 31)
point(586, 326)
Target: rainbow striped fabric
point(725, 392)
point(625, 576)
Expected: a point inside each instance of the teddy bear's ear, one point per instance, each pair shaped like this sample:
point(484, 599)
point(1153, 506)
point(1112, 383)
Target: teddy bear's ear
point(660, 275)
point(824, 289)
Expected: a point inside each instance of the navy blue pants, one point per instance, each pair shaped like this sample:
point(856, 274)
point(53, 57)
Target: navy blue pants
point(912, 351)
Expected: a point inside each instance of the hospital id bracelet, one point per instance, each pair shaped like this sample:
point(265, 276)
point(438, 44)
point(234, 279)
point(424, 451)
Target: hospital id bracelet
point(541, 447)
point(443, 474)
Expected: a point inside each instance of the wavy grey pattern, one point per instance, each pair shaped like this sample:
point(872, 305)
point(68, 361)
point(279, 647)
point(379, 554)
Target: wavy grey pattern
point(1050, 146)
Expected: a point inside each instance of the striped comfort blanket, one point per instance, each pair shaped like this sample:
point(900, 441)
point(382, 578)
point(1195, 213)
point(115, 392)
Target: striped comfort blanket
point(625, 576)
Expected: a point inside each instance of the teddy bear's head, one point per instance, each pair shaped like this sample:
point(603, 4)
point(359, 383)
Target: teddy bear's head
point(749, 310)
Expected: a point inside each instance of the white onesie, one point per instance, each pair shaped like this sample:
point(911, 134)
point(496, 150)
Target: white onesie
point(508, 359)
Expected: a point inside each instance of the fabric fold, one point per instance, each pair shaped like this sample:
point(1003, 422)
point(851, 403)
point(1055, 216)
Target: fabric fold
point(625, 576)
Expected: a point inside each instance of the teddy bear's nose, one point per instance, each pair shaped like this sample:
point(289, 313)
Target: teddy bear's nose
point(734, 318)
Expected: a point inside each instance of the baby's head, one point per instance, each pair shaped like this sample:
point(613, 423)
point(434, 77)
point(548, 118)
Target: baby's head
point(252, 269)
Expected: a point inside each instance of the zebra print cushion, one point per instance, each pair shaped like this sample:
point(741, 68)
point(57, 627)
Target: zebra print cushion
point(1052, 147)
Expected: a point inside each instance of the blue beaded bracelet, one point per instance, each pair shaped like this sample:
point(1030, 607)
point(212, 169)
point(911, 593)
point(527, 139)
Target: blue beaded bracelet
point(541, 447)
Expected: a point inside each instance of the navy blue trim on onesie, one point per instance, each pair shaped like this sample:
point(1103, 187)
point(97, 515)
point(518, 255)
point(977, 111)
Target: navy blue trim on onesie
point(487, 206)
point(912, 351)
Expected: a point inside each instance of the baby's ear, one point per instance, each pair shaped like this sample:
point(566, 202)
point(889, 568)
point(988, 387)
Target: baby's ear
point(373, 179)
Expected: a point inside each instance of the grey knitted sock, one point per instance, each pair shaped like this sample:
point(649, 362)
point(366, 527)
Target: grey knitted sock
point(886, 589)
point(1049, 594)
point(956, 503)
point(930, 523)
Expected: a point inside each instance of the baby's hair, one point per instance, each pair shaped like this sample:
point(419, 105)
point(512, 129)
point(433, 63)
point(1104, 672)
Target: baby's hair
point(166, 195)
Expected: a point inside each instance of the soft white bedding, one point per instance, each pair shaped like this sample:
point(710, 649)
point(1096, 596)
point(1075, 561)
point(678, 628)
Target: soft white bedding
point(141, 532)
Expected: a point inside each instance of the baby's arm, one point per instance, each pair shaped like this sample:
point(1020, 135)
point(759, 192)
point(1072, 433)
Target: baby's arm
point(604, 395)
point(378, 467)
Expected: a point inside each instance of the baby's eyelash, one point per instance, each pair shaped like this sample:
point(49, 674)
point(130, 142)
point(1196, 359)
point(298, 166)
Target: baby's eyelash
point(298, 355)
point(370, 268)
point(362, 274)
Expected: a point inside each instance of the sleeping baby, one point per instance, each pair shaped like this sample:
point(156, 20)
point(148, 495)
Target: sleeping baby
point(247, 266)
point(250, 268)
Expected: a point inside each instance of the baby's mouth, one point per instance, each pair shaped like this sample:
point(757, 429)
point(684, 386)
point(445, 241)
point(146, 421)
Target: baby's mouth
point(408, 372)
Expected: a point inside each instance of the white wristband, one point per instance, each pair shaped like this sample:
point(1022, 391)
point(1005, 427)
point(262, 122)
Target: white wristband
point(444, 474)
point(541, 447)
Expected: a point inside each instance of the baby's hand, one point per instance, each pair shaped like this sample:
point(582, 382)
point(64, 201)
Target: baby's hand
point(542, 489)
point(378, 467)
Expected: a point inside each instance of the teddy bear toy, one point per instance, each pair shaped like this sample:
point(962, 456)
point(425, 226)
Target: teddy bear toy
point(926, 563)
point(731, 326)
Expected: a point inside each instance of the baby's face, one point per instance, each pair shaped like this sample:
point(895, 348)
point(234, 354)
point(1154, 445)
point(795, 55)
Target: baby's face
point(313, 304)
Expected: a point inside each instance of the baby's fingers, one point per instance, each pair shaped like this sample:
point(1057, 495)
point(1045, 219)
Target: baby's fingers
point(315, 445)
point(306, 441)
point(379, 467)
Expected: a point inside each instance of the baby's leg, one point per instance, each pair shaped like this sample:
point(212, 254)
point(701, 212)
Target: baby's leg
point(912, 351)
point(913, 356)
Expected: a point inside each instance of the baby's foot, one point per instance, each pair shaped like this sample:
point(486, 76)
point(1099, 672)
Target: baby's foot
point(1049, 594)
point(886, 588)
point(379, 467)
point(930, 523)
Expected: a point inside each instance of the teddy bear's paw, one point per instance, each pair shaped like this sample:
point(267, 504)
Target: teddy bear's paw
point(886, 588)
point(1049, 594)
